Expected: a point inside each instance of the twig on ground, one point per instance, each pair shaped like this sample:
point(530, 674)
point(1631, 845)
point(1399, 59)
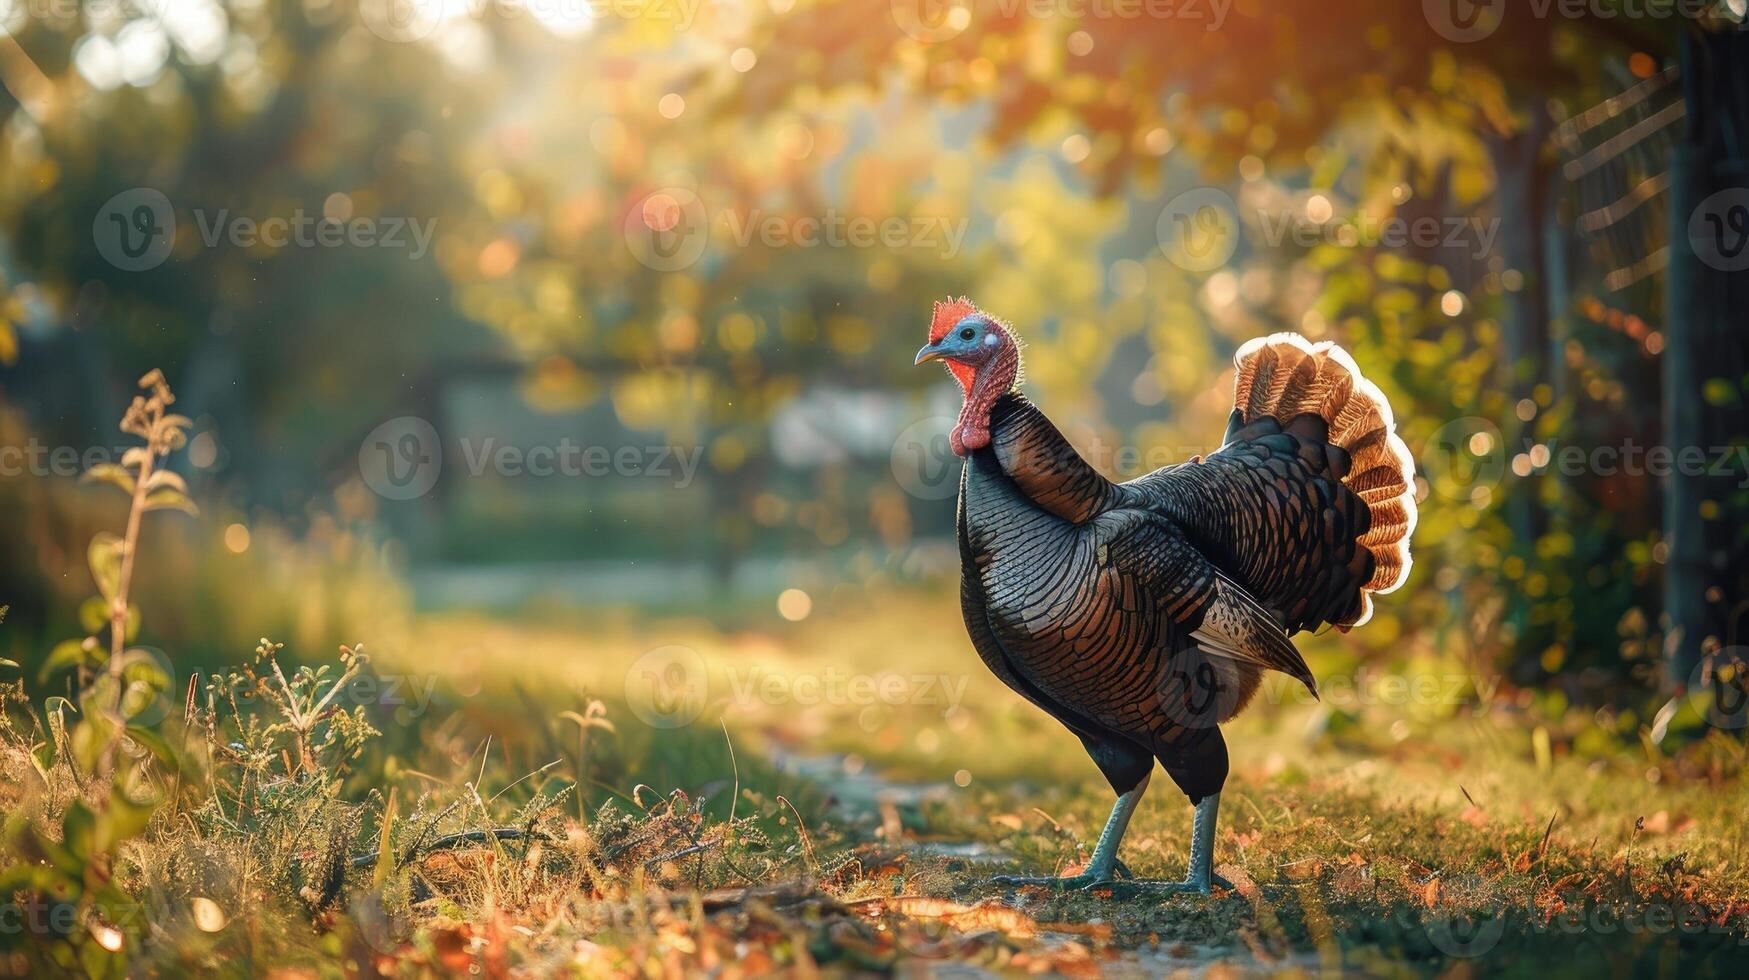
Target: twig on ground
point(453, 840)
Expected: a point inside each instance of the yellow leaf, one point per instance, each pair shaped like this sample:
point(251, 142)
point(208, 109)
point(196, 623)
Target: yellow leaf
point(166, 478)
point(105, 559)
point(111, 473)
point(167, 499)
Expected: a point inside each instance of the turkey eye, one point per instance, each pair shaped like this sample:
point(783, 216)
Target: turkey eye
point(968, 333)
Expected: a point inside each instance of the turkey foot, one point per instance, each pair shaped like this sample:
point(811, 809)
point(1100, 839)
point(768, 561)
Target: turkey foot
point(1102, 871)
point(1104, 867)
point(1191, 885)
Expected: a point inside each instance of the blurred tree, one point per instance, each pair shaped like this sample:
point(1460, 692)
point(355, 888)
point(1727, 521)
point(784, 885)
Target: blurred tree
point(1706, 358)
point(1455, 103)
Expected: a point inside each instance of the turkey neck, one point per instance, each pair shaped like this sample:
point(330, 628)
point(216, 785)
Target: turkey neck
point(1042, 464)
point(992, 382)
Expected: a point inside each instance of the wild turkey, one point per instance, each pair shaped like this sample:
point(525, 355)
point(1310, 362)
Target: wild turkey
point(1142, 614)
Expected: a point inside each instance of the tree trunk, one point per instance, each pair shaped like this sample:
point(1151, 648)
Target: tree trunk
point(1706, 309)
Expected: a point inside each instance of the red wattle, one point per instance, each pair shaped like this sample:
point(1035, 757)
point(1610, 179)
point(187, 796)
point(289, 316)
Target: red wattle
point(972, 431)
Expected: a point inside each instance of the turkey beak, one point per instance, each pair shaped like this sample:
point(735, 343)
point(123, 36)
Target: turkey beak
point(929, 352)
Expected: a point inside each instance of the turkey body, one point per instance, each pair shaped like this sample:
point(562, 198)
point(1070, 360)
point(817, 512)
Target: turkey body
point(1141, 615)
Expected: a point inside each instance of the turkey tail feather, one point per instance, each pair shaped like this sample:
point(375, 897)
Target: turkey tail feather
point(1284, 376)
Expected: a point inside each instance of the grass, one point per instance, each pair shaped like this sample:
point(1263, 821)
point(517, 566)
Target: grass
point(661, 795)
point(1355, 832)
point(1353, 840)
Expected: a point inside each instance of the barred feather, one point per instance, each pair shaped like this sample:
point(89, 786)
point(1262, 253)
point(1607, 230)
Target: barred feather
point(1283, 376)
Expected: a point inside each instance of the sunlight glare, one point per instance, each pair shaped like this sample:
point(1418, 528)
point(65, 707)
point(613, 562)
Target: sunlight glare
point(98, 61)
point(562, 18)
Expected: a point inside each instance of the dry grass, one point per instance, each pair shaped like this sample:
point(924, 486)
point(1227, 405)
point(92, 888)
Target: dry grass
point(744, 795)
point(613, 851)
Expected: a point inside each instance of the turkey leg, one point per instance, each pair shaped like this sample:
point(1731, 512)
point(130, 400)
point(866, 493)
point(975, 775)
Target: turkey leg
point(1199, 878)
point(1104, 863)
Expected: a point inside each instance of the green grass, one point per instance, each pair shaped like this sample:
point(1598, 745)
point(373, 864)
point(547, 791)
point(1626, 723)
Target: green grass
point(1357, 830)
